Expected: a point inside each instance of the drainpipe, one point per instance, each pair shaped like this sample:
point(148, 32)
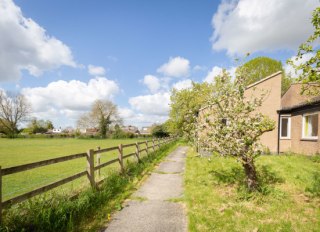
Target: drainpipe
point(278, 145)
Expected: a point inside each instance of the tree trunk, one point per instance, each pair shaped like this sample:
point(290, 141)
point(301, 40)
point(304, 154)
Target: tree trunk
point(250, 170)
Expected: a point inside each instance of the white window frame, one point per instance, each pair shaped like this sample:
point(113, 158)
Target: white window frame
point(303, 127)
point(289, 126)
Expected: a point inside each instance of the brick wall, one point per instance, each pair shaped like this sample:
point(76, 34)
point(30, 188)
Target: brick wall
point(269, 107)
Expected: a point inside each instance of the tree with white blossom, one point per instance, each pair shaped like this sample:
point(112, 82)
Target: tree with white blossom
point(233, 125)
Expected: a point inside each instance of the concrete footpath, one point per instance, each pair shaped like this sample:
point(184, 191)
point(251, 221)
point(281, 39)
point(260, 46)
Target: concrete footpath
point(154, 207)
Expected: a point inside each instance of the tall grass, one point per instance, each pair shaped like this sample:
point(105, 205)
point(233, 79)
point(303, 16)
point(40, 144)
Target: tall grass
point(58, 212)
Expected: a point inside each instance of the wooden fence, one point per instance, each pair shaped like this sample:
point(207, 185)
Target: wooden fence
point(90, 172)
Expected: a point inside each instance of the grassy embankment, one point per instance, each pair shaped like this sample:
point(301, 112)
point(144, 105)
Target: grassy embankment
point(89, 211)
point(289, 199)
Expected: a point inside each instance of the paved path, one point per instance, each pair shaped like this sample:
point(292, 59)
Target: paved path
point(154, 208)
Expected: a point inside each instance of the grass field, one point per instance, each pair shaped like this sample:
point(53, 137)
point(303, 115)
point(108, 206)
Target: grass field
point(21, 151)
point(90, 210)
point(217, 201)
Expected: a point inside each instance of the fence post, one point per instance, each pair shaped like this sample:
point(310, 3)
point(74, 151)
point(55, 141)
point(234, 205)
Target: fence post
point(147, 147)
point(138, 151)
point(153, 145)
point(90, 167)
point(0, 196)
point(98, 161)
point(121, 158)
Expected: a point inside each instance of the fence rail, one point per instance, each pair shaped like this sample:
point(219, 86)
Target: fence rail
point(25, 167)
point(90, 172)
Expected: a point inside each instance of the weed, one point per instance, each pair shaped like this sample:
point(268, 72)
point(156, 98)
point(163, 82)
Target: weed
point(314, 188)
point(315, 158)
point(140, 199)
point(176, 199)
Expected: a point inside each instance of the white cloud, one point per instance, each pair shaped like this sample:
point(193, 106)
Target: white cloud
point(185, 84)
point(96, 70)
point(25, 45)
point(215, 71)
point(126, 113)
point(154, 104)
point(146, 120)
point(232, 71)
point(175, 67)
point(291, 71)
point(261, 25)
point(131, 117)
point(66, 100)
point(199, 68)
point(152, 82)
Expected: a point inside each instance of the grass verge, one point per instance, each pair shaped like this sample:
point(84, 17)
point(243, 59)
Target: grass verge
point(89, 211)
point(287, 201)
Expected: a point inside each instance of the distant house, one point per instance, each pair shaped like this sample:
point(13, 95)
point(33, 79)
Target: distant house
point(68, 130)
point(147, 130)
point(131, 129)
point(57, 130)
point(89, 131)
point(296, 117)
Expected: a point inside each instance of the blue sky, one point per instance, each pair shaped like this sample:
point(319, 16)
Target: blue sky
point(64, 54)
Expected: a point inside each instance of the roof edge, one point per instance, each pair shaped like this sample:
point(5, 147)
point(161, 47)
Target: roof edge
point(264, 79)
point(298, 108)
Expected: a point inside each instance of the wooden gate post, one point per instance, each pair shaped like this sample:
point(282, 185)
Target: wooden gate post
point(153, 145)
point(90, 168)
point(138, 151)
point(121, 158)
point(98, 162)
point(0, 196)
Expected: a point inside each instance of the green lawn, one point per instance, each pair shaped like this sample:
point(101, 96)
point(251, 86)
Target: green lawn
point(216, 200)
point(21, 151)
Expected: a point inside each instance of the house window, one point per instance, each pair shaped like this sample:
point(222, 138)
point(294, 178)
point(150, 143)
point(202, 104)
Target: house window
point(310, 126)
point(285, 125)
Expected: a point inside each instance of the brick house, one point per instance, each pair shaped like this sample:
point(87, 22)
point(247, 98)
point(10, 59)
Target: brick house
point(299, 122)
point(296, 116)
point(131, 129)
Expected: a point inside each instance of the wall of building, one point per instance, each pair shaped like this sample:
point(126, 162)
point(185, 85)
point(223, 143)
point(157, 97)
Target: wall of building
point(293, 96)
point(285, 145)
point(270, 106)
point(299, 145)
